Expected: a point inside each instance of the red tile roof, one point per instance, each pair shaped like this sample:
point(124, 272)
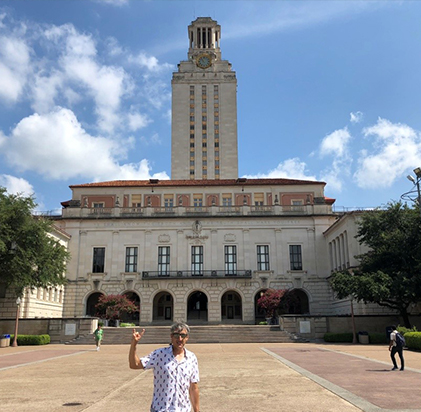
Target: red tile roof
point(222, 182)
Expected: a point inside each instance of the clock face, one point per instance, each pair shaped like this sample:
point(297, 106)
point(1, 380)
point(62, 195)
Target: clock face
point(203, 61)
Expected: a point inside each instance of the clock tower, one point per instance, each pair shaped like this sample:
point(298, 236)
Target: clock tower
point(204, 109)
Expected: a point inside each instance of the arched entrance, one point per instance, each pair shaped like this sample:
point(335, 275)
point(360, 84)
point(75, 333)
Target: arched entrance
point(91, 303)
point(131, 317)
point(163, 307)
point(197, 307)
point(299, 304)
point(259, 314)
point(231, 307)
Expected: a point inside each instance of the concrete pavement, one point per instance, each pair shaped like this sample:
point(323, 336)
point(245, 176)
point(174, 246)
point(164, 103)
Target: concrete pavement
point(234, 378)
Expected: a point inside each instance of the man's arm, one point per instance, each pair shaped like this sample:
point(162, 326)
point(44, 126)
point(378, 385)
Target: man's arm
point(194, 396)
point(134, 361)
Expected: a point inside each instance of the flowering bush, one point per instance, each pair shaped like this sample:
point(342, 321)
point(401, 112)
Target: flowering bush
point(273, 301)
point(112, 306)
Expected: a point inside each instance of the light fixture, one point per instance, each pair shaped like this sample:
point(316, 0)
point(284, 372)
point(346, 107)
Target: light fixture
point(417, 171)
point(411, 178)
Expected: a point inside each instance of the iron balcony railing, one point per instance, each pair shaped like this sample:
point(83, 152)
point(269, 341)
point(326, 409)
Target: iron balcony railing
point(197, 274)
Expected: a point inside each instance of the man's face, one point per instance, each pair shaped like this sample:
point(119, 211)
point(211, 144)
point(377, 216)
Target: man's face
point(179, 339)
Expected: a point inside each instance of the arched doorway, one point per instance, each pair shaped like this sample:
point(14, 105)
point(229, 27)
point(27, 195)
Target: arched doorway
point(231, 307)
point(131, 317)
point(91, 303)
point(197, 307)
point(259, 314)
point(299, 304)
point(163, 307)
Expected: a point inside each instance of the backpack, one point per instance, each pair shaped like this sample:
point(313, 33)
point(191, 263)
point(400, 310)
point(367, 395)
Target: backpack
point(400, 340)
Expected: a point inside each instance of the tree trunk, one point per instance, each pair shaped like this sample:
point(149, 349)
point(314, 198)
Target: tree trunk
point(405, 317)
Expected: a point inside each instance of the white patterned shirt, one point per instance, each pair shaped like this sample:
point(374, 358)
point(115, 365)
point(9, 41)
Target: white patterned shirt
point(172, 379)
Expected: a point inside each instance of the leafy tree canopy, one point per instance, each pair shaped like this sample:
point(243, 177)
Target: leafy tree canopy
point(274, 301)
point(112, 306)
point(389, 274)
point(29, 257)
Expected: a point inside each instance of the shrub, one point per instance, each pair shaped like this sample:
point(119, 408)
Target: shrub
point(263, 323)
point(26, 340)
point(376, 337)
point(402, 330)
point(413, 340)
point(338, 337)
point(125, 325)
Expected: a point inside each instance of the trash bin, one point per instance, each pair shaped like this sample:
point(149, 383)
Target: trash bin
point(8, 340)
point(3, 341)
point(389, 330)
point(363, 338)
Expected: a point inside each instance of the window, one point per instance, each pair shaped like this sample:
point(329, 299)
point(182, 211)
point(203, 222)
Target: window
point(258, 199)
point(226, 199)
point(99, 260)
point(262, 257)
point(136, 200)
point(197, 260)
point(131, 259)
point(197, 200)
point(163, 260)
point(230, 260)
point(98, 204)
point(295, 257)
point(169, 199)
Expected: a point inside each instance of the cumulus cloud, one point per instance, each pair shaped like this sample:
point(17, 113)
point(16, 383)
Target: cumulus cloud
point(336, 145)
point(16, 185)
point(289, 169)
point(397, 148)
point(356, 117)
point(14, 67)
point(56, 146)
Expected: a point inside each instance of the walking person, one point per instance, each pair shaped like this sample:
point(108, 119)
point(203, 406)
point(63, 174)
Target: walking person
point(98, 334)
point(176, 372)
point(396, 345)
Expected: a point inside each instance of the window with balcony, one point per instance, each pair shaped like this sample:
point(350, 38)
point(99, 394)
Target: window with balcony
point(131, 259)
point(163, 260)
point(295, 257)
point(197, 260)
point(98, 260)
point(230, 260)
point(263, 257)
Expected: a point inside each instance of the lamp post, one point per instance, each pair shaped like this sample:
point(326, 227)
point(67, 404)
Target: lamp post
point(15, 340)
point(414, 196)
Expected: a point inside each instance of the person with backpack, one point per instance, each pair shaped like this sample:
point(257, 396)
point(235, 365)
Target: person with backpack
point(396, 344)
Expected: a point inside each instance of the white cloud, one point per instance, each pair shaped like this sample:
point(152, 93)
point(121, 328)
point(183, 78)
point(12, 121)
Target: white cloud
point(137, 121)
point(14, 67)
point(150, 62)
point(15, 185)
point(56, 146)
point(289, 169)
point(397, 149)
point(336, 143)
point(356, 117)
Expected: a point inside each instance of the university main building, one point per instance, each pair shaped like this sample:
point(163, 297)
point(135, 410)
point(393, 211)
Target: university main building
point(204, 245)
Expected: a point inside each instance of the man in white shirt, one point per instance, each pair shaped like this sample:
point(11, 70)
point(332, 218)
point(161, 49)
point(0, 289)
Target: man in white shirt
point(176, 372)
point(395, 349)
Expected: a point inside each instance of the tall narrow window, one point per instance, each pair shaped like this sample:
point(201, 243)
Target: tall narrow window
point(98, 260)
point(262, 257)
point(131, 259)
point(230, 260)
point(197, 260)
point(163, 260)
point(197, 200)
point(169, 199)
point(295, 257)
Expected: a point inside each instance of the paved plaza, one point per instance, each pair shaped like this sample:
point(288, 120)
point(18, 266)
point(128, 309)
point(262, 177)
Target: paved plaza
point(234, 377)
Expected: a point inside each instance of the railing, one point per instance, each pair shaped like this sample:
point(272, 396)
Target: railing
point(190, 211)
point(197, 274)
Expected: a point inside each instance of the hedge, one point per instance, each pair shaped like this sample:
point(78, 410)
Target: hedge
point(376, 337)
point(413, 340)
point(26, 340)
point(338, 337)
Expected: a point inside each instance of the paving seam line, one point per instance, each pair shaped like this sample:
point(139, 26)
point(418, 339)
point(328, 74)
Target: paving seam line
point(355, 400)
point(114, 392)
point(367, 358)
point(40, 361)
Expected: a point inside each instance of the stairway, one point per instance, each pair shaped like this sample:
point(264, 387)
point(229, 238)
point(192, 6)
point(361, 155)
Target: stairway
point(198, 334)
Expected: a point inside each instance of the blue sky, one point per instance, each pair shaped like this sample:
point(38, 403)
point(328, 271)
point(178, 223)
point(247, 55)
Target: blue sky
point(327, 90)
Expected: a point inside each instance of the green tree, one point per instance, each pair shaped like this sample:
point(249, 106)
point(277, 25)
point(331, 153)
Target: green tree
point(389, 274)
point(29, 257)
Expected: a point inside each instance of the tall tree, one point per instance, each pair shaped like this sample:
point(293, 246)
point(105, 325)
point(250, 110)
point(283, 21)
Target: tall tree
point(29, 257)
point(389, 274)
